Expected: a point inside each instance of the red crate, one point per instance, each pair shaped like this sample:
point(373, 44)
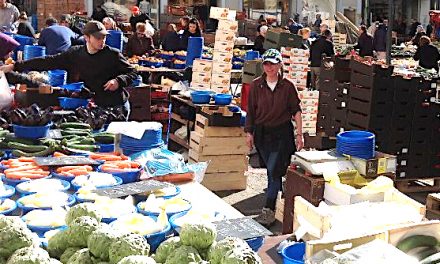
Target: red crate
point(159, 116)
point(159, 95)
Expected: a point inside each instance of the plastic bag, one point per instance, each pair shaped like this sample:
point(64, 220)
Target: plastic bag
point(149, 29)
point(6, 97)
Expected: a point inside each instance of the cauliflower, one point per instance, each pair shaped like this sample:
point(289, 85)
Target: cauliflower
point(83, 209)
point(80, 230)
point(137, 260)
point(219, 249)
point(81, 256)
point(30, 255)
point(100, 240)
point(68, 253)
point(184, 255)
point(241, 256)
point(200, 235)
point(127, 245)
point(165, 249)
point(14, 235)
point(57, 244)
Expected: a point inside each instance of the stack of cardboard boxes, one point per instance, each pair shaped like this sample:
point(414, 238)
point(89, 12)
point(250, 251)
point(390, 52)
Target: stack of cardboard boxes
point(295, 62)
point(201, 76)
point(309, 108)
point(339, 39)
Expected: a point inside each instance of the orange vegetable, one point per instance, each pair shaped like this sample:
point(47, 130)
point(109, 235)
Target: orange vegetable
point(58, 154)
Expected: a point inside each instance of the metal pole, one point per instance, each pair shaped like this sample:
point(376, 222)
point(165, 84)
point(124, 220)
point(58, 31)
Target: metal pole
point(390, 29)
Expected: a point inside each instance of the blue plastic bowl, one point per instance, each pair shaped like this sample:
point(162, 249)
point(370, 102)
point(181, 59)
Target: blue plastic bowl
point(127, 177)
point(155, 239)
point(62, 177)
point(80, 200)
point(201, 97)
point(41, 230)
point(106, 147)
point(180, 57)
point(149, 213)
point(108, 220)
point(10, 191)
point(222, 99)
point(70, 201)
point(154, 64)
point(76, 187)
point(72, 103)
point(140, 197)
point(32, 132)
point(66, 186)
point(255, 243)
point(176, 227)
point(166, 56)
point(179, 66)
point(237, 66)
point(14, 183)
point(294, 254)
point(10, 210)
point(74, 87)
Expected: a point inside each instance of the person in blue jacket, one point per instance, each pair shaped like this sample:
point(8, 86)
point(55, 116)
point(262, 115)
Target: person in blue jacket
point(57, 38)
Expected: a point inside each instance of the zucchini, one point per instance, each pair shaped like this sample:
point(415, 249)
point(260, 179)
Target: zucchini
point(75, 125)
point(91, 148)
point(26, 148)
point(104, 138)
point(12, 138)
point(75, 132)
point(19, 153)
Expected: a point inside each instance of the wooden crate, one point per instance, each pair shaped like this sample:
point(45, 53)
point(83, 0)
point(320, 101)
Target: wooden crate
point(279, 209)
point(433, 203)
point(224, 163)
point(205, 130)
point(215, 146)
point(225, 181)
point(418, 185)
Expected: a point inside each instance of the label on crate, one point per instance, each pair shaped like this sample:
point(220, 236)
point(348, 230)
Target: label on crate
point(64, 161)
point(132, 188)
point(244, 228)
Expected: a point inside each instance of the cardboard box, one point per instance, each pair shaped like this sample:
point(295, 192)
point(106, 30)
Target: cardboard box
point(221, 79)
point(381, 164)
point(309, 117)
point(309, 109)
point(308, 94)
point(222, 57)
point(222, 68)
point(201, 77)
point(200, 86)
point(299, 60)
point(339, 196)
point(299, 68)
point(309, 124)
point(299, 52)
point(228, 25)
point(311, 131)
point(277, 38)
point(220, 88)
point(225, 35)
point(218, 13)
point(200, 65)
point(223, 46)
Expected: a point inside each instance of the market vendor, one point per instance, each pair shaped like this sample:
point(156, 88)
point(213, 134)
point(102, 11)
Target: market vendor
point(170, 41)
point(259, 40)
point(192, 31)
point(427, 55)
point(103, 69)
point(365, 43)
point(110, 24)
point(140, 43)
point(273, 104)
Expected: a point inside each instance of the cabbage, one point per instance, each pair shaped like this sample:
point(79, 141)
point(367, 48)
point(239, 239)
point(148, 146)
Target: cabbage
point(83, 209)
point(165, 248)
point(30, 255)
point(81, 256)
point(57, 244)
point(14, 235)
point(184, 255)
point(100, 240)
point(137, 260)
point(241, 256)
point(218, 250)
point(200, 235)
point(67, 254)
point(127, 245)
point(80, 230)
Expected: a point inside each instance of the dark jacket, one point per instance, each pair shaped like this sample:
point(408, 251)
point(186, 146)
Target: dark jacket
point(26, 29)
point(319, 47)
point(139, 19)
point(428, 57)
point(380, 38)
point(94, 70)
point(416, 39)
point(171, 41)
point(258, 44)
point(365, 45)
point(185, 36)
point(99, 15)
point(306, 44)
point(295, 27)
point(139, 46)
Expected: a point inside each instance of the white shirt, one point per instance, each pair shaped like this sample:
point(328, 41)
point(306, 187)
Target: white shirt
point(272, 84)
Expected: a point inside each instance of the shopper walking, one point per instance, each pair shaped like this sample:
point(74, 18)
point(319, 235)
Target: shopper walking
point(380, 41)
point(323, 46)
point(427, 55)
point(273, 104)
point(8, 15)
point(365, 42)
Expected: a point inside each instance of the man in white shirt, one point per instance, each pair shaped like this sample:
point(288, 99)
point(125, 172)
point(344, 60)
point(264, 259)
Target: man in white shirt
point(8, 15)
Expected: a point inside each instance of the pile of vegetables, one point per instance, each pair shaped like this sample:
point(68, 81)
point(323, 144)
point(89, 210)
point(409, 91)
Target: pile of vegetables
point(84, 93)
point(24, 168)
point(30, 116)
point(120, 166)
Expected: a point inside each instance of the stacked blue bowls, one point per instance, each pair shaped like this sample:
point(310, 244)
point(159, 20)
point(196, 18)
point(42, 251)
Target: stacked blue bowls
point(152, 138)
point(356, 143)
point(31, 52)
point(115, 39)
point(57, 77)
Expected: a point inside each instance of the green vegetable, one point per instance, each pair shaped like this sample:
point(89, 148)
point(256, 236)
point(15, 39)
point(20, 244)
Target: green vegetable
point(75, 125)
point(83, 147)
point(166, 247)
point(14, 235)
point(30, 255)
point(218, 250)
point(19, 153)
point(416, 241)
point(137, 260)
point(83, 209)
point(199, 235)
point(26, 148)
point(127, 245)
point(80, 230)
point(68, 253)
point(104, 138)
point(11, 138)
point(81, 256)
point(57, 244)
point(241, 256)
point(184, 255)
point(100, 240)
point(75, 132)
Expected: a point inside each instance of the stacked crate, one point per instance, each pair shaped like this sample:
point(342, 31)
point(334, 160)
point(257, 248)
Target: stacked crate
point(309, 106)
point(339, 39)
point(295, 62)
point(225, 149)
point(201, 76)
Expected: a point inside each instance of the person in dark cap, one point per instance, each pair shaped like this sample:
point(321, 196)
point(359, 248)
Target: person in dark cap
point(103, 69)
point(138, 17)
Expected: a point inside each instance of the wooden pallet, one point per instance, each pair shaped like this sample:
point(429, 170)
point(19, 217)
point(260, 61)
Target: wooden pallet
point(418, 185)
point(224, 163)
point(203, 129)
point(225, 181)
point(433, 203)
point(215, 146)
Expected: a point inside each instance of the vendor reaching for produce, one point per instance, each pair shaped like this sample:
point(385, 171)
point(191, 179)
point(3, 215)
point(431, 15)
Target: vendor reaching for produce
point(102, 69)
point(273, 104)
point(140, 43)
point(427, 55)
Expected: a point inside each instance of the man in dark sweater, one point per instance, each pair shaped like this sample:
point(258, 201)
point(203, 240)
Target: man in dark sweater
point(57, 38)
point(138, 17)
point(427, 54)
point(365, 43)
point(323, 45)
point(102, 69)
